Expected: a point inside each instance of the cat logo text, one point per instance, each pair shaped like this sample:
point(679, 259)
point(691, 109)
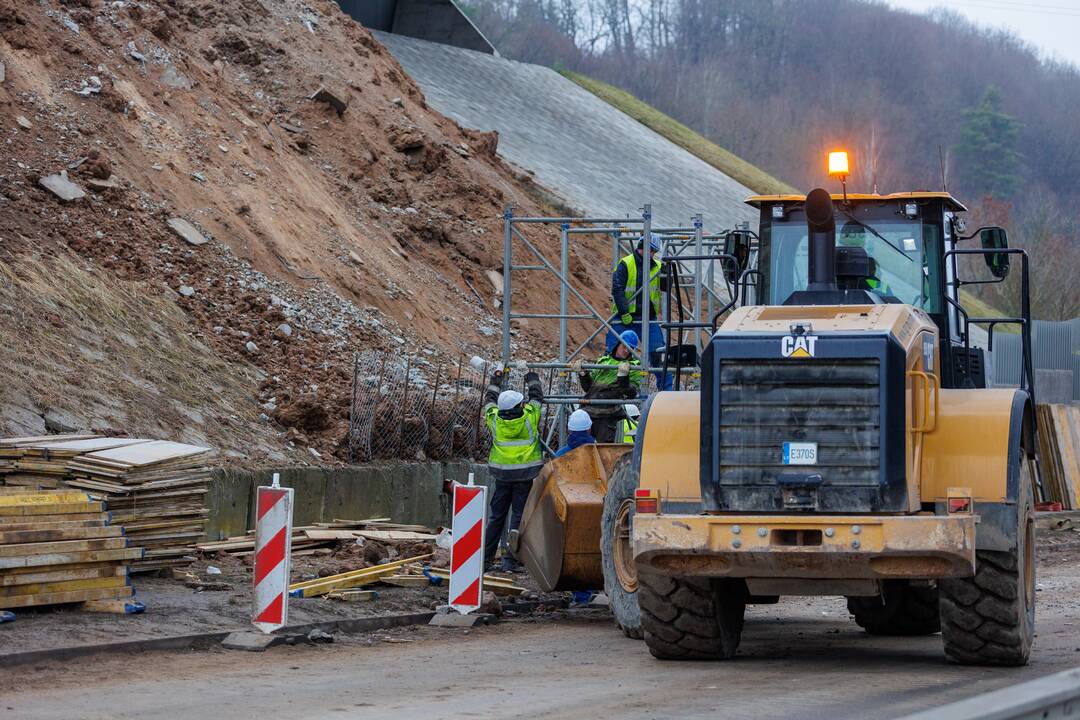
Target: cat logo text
point(798, 346)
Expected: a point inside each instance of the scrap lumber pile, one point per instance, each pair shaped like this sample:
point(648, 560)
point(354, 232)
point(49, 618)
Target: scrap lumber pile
point(154, 489)
point(1059, 454)
point(57, 546)
point(409, 572)
point(309, 538)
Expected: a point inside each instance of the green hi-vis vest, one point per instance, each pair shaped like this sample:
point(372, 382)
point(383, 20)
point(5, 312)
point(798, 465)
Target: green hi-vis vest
point(631, 286)
point(628, 430)
point(608, 377)
point(515, 444)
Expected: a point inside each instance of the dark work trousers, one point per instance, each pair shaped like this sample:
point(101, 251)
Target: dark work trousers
point(506, 496)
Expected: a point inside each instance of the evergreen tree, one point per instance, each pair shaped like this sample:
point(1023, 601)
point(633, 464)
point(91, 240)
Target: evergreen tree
point(989, 162)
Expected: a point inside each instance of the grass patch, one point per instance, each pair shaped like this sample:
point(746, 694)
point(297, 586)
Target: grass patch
point(977, 307)
point(731, 165)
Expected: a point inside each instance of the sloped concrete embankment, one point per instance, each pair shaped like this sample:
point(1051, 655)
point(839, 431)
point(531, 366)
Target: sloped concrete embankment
point(404, 492)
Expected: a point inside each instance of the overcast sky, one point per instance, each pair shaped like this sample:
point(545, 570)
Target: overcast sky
point(1053, 26)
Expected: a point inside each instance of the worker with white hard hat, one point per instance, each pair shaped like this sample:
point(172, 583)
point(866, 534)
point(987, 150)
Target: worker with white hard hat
point(628, 427)
point(580, 427)
point(515, 457)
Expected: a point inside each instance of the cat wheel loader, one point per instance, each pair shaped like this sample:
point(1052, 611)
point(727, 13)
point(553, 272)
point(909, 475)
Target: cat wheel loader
point(844, 441)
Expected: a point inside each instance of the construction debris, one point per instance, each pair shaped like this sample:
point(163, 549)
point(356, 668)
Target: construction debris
point(336, 100)
point(61, 187)
point(154, 489)
point(58, 547)
point(186, 231)
point(309, 538)
point(494, 583)
point(351, 579)
point(1059, 452)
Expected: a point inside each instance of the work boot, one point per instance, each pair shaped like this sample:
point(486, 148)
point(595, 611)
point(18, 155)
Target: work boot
point(511, 565)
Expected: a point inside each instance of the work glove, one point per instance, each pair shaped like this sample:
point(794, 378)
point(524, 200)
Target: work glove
point(575, 367)
point(627, 319)
point(624, 369)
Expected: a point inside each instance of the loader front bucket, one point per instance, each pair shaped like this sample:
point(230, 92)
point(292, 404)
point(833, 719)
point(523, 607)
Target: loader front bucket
point(559, 536)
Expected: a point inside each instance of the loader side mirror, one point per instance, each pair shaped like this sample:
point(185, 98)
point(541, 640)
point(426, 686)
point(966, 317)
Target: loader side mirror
point(736, 244)
point(994, 238)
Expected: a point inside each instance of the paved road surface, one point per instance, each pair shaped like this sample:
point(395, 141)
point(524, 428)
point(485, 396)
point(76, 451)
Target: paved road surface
point(801, 658)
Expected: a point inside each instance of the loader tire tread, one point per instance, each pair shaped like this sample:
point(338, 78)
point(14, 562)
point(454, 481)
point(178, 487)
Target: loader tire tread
point(989, 618)
point(901, 609)
point(691, 618)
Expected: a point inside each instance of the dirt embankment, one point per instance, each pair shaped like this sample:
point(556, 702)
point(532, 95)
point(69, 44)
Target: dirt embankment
point(336, 221)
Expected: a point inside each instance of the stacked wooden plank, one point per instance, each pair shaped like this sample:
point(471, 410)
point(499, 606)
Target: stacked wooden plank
point(309, 538)
point(155, 489)
point(1059, 453)
point(58, 547)
point(41, 462)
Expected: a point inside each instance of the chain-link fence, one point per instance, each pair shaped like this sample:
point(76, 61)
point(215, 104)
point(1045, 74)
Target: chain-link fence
point(416, 409)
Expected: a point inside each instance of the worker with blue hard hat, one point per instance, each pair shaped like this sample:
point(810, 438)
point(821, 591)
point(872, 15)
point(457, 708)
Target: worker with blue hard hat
point(619, 379)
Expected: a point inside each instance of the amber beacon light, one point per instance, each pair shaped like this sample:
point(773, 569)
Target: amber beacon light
point(838, 167)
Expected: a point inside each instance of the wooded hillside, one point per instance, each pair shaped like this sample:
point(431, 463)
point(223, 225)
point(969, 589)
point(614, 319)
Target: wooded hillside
point(912, 97)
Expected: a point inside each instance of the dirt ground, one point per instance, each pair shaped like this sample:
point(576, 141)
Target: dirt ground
point(176, 607)
point(378, 227)
point(803, 657)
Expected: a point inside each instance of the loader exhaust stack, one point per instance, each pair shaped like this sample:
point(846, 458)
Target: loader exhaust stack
point(821, 229)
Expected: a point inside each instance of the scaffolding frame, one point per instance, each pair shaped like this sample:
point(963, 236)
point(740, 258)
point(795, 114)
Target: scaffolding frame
point(688, 250)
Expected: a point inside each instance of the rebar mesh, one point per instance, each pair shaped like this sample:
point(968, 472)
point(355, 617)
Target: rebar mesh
point(416, 409)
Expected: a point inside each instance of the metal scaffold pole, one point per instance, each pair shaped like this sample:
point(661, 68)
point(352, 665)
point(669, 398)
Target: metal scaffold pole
point(564, 270)
point(508, 259)
point(699, 250)
point(645, 300)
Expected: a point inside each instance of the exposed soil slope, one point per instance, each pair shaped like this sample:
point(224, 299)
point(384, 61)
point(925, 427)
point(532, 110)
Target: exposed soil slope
point(329, 232)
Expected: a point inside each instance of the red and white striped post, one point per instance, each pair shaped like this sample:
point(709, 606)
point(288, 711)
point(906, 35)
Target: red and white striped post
point(273, 543)
point(467, 552)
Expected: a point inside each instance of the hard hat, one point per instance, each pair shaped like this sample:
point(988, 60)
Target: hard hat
point(579, 420)
point(630, 338)
point(510, 399)
point(654, 242)
point(632, 410)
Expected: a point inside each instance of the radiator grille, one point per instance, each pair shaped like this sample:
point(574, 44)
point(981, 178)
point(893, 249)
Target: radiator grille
point(834, 403)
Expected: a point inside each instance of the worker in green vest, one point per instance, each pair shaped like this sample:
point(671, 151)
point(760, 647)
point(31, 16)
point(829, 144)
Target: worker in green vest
point(628, 427)
point(619, 379)
point(515, 457)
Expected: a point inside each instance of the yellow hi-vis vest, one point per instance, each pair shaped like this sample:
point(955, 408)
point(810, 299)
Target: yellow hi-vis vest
point(631, 285)
point(628, 429)
point(515, 444)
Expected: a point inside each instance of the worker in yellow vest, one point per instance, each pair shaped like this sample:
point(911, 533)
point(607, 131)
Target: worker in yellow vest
point(515, 457)
point(626, 296)
point(628, 427)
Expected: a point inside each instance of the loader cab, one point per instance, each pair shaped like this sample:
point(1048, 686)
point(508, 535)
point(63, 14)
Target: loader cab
point(894, 248)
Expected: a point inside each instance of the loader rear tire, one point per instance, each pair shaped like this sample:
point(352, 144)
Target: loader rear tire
point(989, 619)
point(616, 553)
point(900, 609)
point(689, 618)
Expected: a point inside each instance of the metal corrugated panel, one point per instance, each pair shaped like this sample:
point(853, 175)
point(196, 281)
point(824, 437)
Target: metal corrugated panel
point(1055, 346)
point(1008, 359)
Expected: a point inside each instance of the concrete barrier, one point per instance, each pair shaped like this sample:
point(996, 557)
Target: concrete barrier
point(404, 492)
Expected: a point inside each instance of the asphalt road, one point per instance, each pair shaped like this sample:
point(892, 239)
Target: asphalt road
point(802, 658)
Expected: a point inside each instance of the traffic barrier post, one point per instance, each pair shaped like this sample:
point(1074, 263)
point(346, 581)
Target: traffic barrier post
point(467, 551)
point(273, 546)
